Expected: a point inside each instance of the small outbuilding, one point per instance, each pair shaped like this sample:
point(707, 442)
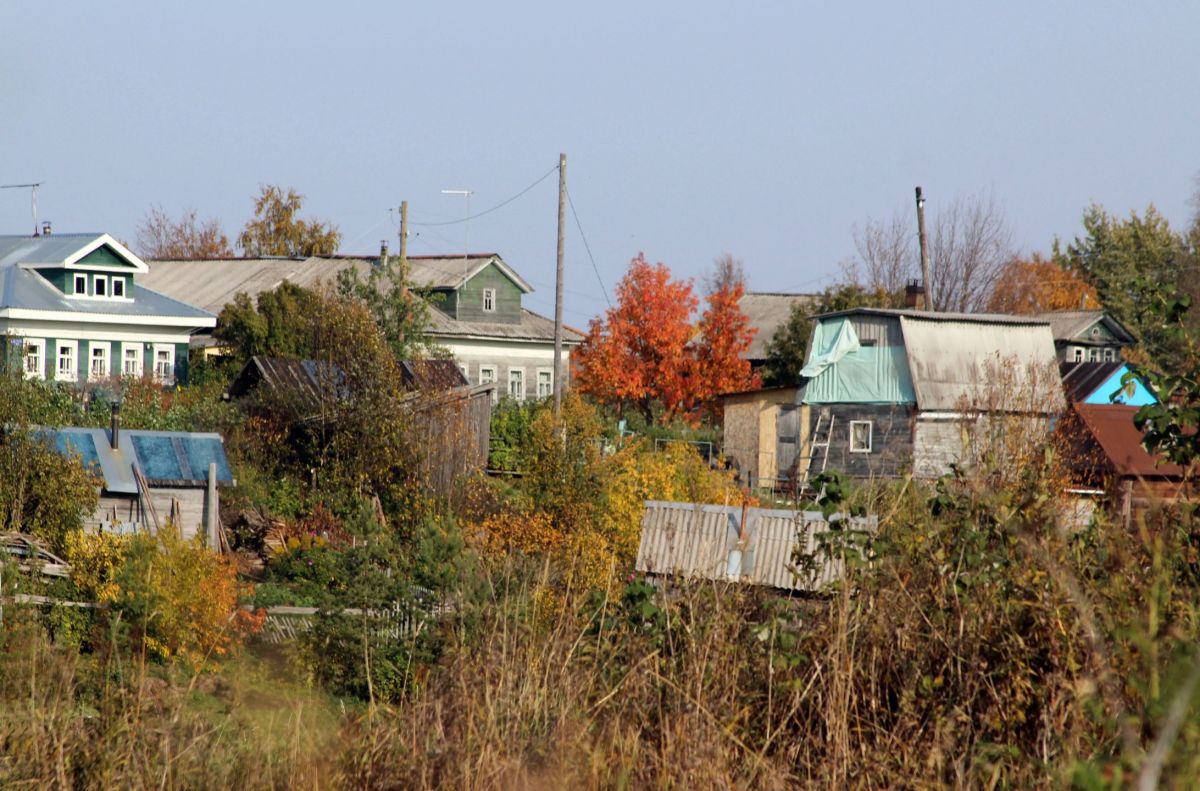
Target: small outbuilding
point(151, 478)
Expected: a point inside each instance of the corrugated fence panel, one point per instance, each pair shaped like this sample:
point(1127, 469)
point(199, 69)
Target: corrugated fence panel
point(695, 540)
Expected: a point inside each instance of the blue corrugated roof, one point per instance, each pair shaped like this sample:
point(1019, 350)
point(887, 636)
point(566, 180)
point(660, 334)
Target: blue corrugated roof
point(178, 458)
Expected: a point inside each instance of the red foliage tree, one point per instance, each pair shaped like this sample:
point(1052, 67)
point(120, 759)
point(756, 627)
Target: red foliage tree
point(725, 335)
point(645, 351)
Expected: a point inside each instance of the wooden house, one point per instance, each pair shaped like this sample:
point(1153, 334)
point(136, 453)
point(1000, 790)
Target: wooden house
point(78, 309)
point(476, 307)
point(1102, 383)
point(893, 391)
point(766, 312)
point(150, 478)
point(1086, 335)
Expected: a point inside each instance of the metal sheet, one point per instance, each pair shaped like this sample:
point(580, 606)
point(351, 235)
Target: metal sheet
point(959, 364)
point(695, 540)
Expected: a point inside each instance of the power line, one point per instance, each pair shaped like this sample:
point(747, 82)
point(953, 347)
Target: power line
point(494, 208)
point(588, 247)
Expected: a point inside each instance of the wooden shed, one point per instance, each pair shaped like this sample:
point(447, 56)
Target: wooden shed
point(763, 431)
point(150, 478)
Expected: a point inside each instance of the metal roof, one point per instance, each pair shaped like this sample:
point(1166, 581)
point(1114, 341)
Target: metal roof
point(767, 312)
point(212, 283)
point(1071, 324)
point(531, 327)
point(974, 362)
point(1111, 425)
point(22, 287)
point(930, 315)
point(695, 540)
point(165, 458)
point(432, 374)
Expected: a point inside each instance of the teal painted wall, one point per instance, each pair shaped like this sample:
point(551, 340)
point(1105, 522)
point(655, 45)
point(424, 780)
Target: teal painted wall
point(64, 280)
point(508, 298)
point(104, 256)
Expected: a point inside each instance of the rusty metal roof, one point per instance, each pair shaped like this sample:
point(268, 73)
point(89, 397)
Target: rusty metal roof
point(432, 374)
point(1111, 426)
point(696, 540)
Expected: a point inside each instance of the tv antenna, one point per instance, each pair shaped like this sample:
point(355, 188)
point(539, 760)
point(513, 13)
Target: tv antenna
point(32, 198)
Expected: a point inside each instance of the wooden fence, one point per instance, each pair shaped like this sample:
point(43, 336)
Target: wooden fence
point(284, 624)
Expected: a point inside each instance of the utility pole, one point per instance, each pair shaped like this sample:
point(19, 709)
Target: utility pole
point(558, 284)
point(924, 240)
point(404, 238)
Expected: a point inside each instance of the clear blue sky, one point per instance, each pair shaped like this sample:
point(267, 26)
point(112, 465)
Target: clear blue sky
point(765, 129)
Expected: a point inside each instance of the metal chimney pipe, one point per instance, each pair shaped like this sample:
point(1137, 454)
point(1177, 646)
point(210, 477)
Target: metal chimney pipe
point(116, 424)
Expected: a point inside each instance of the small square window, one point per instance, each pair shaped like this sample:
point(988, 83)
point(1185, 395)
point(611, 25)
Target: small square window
point(1110, 354)
point(81, 285)
point(489, 299)
point(118, 287)
point(1077, 354)
point(860, 436)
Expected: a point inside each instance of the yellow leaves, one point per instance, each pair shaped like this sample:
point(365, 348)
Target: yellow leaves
point(178, 595)
point(95, 559)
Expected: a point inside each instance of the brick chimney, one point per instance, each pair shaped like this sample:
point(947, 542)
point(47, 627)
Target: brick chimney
point(914, 295)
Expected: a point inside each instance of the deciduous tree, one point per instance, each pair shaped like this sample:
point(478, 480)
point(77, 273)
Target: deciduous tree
point(725, 334)
point(637, 353)
point(276, 229)
point(1037, 285)
point(159, 235)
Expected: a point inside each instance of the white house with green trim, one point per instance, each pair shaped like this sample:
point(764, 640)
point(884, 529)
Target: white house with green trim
point(75, 309)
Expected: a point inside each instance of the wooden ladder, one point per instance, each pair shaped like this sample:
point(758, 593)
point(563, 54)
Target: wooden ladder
point(818, 445)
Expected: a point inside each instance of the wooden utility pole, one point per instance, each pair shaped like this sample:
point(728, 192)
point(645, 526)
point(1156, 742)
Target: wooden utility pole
point(928, 284)
point(558, 284)
point(404, 234)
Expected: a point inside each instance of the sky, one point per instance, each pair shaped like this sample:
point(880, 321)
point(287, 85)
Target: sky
point(768, 130)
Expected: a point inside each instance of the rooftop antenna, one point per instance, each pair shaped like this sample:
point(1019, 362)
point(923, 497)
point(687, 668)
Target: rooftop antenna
point(32, 197)
point(466, 225)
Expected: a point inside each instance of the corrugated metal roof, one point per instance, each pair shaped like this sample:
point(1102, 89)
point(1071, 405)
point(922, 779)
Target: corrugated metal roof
point(969, 362)
point(1112, 428)
point(42, 250)
point(695, 540)
point(166, 458)
point(212, 283)
point(929, 315)
point(767, 312)
point(531, 327)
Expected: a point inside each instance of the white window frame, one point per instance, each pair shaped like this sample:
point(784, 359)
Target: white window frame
point(78, 277)
point(72, 373)
point(549, 390)
point(100, 283)
point(870, 424)
point(34, 348)
point(1077, 354)
point(1093, 355)
point(520, 379)
point(170, 349)
point(103, 358)
point(1110, 354)
point(138, 360)
point(117, 281)
point(489, 300)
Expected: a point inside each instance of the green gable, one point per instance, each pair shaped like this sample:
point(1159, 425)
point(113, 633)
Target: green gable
point(470, 298)
point(104, 256)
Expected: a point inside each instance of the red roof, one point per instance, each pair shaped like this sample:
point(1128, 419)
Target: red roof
point(1112, 427)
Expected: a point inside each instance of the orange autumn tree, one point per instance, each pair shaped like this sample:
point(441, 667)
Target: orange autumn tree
point(725, 334)
point(645, 351)
point(1037, 285)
